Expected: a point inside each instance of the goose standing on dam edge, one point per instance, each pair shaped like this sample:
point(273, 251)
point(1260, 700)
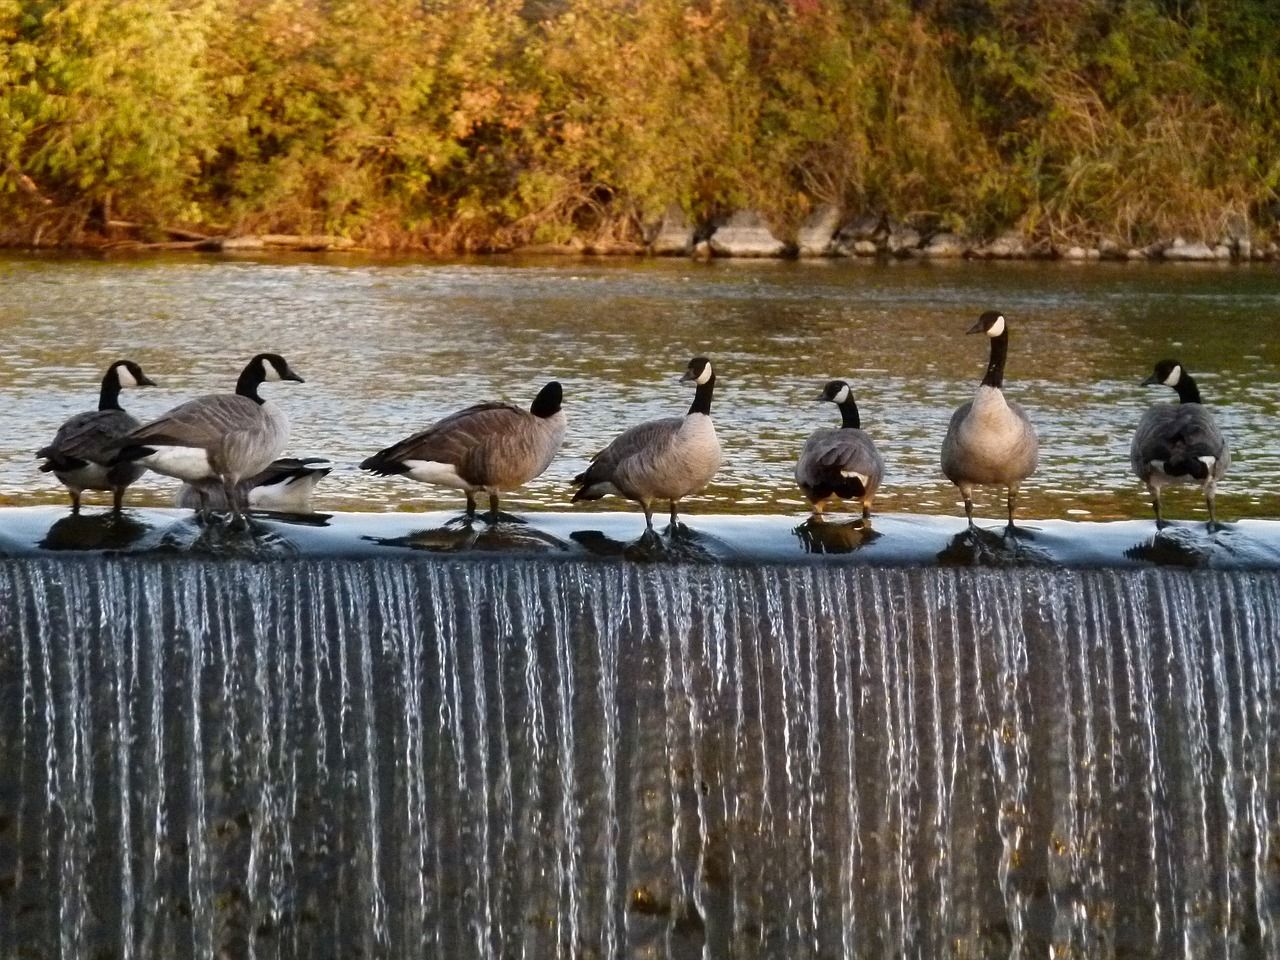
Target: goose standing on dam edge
point(82, 452)
point(490, 447)
point(990, 440)
point(1179, 442)
point(666, 459)
point(219, 438)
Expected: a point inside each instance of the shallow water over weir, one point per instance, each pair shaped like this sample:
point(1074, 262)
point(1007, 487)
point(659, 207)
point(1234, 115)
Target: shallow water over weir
point(493, 759)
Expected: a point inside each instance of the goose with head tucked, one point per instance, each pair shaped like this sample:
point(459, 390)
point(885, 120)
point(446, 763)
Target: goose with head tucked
point(82, 450)
point(666, 459)
point(842, 463)
point(222, 438)
point(488, 447)
point(990, 440)
point(1179, 442)
point(285, 486)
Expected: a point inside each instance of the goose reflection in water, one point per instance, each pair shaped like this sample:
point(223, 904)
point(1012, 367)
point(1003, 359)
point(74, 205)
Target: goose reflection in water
point(95, 531)
point(263, 537)
point(823, 536)
point(677, 544)
point(976, 547)
point(511, 535)
point(1190, 545)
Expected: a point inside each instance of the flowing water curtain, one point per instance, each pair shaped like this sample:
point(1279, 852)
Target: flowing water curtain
point(579, 759)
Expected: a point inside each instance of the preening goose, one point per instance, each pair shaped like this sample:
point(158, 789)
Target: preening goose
point(990, 440)
point(664, 459)
point(284, 487)
point(1178, 442)
point(221, 438)
point(490, 447)
point(82, 450)
point(840, 464)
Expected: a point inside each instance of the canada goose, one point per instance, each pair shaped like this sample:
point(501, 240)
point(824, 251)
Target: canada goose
point(840, 464)
point(663, 459)
point(990, 441)
point(285, 487)
point(221, 438)
point(494, 447)
point(82, 450)
point(1178, 442)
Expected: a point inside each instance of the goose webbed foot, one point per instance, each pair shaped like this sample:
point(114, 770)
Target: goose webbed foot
point(503, 517)
point(462, 520)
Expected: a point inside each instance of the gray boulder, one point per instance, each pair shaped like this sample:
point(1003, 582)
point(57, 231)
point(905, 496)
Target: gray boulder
point(1181, 250)
point(902, 240)
point(746, 234)
point(673, 236)
point(816, 236)
point(1007, 246)
point(944, 246)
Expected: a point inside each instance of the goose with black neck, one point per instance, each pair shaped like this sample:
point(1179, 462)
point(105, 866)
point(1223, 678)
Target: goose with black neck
point(82, 450)
point(221, 438)
point(842, 463)
point(990, 440)
point(666, 459)
point(1179, 442)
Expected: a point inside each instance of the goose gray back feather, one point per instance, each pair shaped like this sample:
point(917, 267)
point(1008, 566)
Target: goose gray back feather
point(1172, 438)
point(833, 457)
point(240, 436)
point(492, 446)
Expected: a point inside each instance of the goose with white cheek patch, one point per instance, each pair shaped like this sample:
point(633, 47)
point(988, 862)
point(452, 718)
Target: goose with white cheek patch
point(222, 438)
point(285, 486)
point(666, 459)
point(488, 448)
point(843, 463)
point(990, 440)
point(83, 448)
point(1179, 442)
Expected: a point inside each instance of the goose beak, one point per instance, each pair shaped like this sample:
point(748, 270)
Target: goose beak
point(976, 328)
point(290, 375)
point(820, 397)
point(145, 381)
point(1150, 381)
point(688, 375)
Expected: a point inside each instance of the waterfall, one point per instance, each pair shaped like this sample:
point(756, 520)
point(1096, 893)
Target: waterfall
point(601, 759)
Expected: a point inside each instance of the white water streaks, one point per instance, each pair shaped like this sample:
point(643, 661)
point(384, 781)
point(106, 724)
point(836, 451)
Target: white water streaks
point(575, 759)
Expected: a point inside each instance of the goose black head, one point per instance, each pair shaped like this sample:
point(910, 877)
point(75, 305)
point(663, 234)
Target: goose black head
point(547, 402)
point(837, 391)
point(129, 374)
point(992, 323)
point(699, 371)
point(1166, 372)
point(274, 367)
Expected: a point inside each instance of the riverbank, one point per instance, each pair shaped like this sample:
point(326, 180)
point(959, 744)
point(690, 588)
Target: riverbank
point(828, 232)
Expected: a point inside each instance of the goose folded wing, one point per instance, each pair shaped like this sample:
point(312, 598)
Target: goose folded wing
point(452, 439)
point(91, 437)
point(643, 442)
point(200, 423)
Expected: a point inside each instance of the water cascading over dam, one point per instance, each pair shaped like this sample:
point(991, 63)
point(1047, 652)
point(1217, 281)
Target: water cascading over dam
point(480, 757)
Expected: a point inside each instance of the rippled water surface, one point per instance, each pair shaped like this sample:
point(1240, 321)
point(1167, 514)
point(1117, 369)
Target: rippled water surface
point(388, 346)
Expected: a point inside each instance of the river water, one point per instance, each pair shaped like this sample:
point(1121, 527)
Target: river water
point(387, 346)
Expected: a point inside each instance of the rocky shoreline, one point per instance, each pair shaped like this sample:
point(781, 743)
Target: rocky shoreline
point(745, 234)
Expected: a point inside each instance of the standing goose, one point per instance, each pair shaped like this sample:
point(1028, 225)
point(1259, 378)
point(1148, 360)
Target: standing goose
point(840, 464)
point(490, 447)
point(1178, 442)
point(663, 459)
point(221, 438)
point(990, 440)
point(284, 487)
point(82, 450)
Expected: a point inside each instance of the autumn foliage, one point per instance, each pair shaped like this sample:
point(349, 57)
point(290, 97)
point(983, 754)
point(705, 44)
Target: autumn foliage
point(463, 124)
